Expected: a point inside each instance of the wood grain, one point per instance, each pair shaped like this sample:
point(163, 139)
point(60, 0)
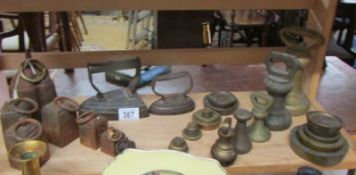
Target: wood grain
point(155, 132)
point(78, 5)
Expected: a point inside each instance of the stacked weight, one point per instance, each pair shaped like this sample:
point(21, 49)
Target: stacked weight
point(319, 140)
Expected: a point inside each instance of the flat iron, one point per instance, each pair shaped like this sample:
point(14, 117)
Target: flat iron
point(172, 104)
point(108, 104)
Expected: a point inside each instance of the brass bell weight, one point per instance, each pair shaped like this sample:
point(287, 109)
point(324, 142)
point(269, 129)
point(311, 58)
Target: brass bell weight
point(258, 131)
point(172, 104)
point(33, 81)
point(59, 121)
point(16, 109)
point(192, 131)
point(91, 126)
point(300, 42)
point(278, 84)
point(178, 144)
point(223, 149)
point(27, 154)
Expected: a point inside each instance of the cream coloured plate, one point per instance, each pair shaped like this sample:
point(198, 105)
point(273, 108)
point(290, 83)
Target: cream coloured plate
point(161, 162)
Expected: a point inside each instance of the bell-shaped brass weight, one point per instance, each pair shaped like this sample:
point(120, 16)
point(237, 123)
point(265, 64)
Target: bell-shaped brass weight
point(27, 154)
point(221, 101)
point(258, 132)
point(207, 119)
point(178, 144)
point(242, 141)
point(278, 84)
point(192, 131)
point(300, 42)
point(223, 149)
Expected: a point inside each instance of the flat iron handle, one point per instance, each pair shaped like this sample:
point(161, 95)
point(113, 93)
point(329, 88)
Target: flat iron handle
point(289, 60)
point(114, 66)
point(172, 76)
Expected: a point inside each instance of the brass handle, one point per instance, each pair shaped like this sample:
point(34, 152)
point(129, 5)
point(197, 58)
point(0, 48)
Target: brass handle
point(172, 76)
point(261, 101)
point(289, 60)
point(114, 66)
point(225, 126)
point(66, 103)
point(295, 37)
point(17, 101)
point(37, 65)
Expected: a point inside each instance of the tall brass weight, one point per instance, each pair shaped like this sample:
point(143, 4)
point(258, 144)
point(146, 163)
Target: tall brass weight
point(300, 42)
point(27, 154)
point(278, 84)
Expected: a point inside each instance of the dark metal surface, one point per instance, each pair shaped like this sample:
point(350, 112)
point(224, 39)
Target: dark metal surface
point(258, 132)
point(91, 126)
point(108, 140)
point(192, 131)
point(178, 144)
point(319, 140)
point(221, 101)
point(33, 81)
point(207, 119)
point(107, 104)
point(242, 141)
point(16, 109)
point(300, 42)
point(172, 104)
point(278, 84)
point(223, 149)
point(59, 121)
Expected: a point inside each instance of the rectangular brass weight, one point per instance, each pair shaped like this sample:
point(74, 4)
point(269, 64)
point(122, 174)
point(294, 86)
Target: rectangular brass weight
point(90, 129)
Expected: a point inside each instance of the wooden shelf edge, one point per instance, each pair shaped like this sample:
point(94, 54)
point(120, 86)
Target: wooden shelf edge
point(70, 5)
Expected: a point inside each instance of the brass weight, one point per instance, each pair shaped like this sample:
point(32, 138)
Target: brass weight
point(207, 119)
point(300, 42)
point(178, 144)
point(221, 101)
point(258, 132)
point(242, 141)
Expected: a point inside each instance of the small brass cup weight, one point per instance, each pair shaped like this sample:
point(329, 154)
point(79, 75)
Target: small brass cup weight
point(319, 140)
point(178, 144)
point(27, 154)
point(16, 109)
point(300, 42)
point(59, 121)
point(91, 126)
point(278, 84)
point(192, 131)
point(207, 119)
point(258, 132)
point(221, 101)
point(172, 104)
point(242, 141)
point(223, 149)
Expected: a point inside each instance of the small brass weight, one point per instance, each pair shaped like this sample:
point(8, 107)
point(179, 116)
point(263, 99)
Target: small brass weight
point(278, 84)
point(242, 142)
point(258, 132)
point(300, 42)
point(27, 154)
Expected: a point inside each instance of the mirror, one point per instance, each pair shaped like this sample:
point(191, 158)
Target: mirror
point(144, 29)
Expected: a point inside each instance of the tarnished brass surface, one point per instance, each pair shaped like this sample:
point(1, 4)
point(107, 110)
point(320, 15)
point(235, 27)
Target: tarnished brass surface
point(108, 140)
point(223, 149)
point(178, 144)
point(172, 104)
point(221, 101)
point(27, 154)
point(16, 109)
point(278, 84)
point(91, 126)
point(123, 144)
point(258, 132)
point(59, 121)
point(242, 141)
point(207, 119)
point(22, 130)
point(319, 140)
point(192, 131)
point(33, 81)
point(305, 170)
point(300, 42)
point(108, 103)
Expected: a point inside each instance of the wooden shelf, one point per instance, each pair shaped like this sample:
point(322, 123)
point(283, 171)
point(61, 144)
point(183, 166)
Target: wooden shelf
point(70, 5)
point(155, 132)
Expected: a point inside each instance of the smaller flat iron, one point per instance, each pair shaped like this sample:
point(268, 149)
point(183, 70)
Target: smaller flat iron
point(172, 104)
point(107, 104)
